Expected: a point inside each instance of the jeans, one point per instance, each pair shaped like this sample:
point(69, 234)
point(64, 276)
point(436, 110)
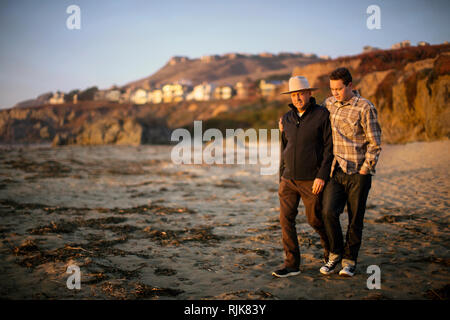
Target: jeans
point(290, 192)
point(345, 189)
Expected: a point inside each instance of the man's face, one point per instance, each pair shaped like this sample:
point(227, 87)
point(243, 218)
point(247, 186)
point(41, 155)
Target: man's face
point(340, 91)
point(300, 99)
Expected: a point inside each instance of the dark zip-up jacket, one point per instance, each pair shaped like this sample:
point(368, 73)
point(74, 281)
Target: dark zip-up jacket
point(306, 143)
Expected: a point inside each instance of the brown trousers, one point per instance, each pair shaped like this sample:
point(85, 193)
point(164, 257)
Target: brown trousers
point(290, 192)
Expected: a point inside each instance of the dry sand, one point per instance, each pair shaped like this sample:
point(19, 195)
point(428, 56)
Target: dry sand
point(140, 227)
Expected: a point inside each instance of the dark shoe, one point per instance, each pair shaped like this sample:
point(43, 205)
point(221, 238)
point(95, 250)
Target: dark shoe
point(347, 271)
point(286, 272)
point(329, 267)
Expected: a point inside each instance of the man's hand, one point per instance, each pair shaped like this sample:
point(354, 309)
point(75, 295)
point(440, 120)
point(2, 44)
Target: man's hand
point(318, 186)
point(363, 172)
point(280, 125)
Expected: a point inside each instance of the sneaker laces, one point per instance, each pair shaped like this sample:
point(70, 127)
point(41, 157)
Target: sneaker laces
point(330, 263)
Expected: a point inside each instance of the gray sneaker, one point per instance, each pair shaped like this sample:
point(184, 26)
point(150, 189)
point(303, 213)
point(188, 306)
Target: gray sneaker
point(347, 271)
point(329, 267)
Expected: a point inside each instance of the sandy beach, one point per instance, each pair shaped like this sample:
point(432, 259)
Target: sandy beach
point(141, 227)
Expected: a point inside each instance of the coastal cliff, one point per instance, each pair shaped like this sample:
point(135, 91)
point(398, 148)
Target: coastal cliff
point(409, 87)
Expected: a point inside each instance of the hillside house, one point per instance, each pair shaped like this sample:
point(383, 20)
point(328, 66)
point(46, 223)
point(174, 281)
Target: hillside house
point(269, 88)
point(174, 92)
point(139, 96)
point(367, 49)
point(210, 58)
point(403, 44)
point(155, 96)
point(223, 92)
point(125, 96)
point(100, 95)
point(201, 92)
point(57, 98)
point(177, 59)
point(245, 89)
point(112, 95)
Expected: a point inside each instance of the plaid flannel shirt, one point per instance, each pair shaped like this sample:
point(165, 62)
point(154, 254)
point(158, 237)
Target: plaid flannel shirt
point(356, 134)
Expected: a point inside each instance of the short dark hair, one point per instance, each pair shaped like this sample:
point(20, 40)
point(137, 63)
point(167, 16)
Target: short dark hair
point(341, 74)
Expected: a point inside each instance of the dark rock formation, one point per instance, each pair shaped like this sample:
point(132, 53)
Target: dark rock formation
point(84, 125)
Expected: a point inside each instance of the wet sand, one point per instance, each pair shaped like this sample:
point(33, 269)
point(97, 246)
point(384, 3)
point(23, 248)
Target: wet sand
point(141, 227)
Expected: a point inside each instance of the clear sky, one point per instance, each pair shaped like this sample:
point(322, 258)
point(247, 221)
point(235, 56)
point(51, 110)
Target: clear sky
point(125, 40)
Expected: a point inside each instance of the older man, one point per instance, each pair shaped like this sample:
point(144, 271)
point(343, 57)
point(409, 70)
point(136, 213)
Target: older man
point(356, 142)
point(306, 157)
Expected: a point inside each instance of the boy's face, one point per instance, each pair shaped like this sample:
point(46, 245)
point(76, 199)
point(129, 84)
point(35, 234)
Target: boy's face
point(340, 91)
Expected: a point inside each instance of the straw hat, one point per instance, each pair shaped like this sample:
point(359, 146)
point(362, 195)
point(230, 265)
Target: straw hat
point(298, 83)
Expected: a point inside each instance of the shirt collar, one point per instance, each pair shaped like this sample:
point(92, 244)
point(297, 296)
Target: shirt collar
point(353, 100)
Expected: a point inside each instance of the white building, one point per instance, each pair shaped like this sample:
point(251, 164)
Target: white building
point(173, 92)
point(139, 96)
point(112, 95)
point(57, 98)
point(155, 96)
point(403, 44)
point(422, 44)
point(201, 92)
point(367, 49)
point(223, 92)
point(177, 59)
point(269, 88)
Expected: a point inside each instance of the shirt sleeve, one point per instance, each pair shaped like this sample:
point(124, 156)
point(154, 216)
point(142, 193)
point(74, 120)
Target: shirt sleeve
point(372, 130)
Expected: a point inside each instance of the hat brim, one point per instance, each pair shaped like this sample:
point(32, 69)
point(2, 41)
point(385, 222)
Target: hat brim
point(287, 92)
